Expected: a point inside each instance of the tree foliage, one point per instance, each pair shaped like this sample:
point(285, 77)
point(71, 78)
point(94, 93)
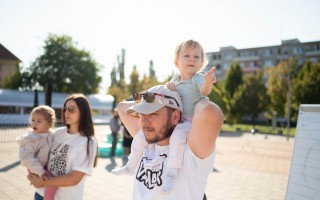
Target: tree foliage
point(69, 69)
point(306, 86)
point(120, 89)
point(231, 84)
point(280, 79)
point(233, 79)
point(251, 98)
point(218, 96)
point(134, 85)
point(152, 74)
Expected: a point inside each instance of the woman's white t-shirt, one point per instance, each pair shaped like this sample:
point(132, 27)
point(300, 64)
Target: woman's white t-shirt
point(68, 153)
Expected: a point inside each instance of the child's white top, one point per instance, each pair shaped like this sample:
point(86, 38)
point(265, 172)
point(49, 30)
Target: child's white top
point(189, 91)
point(34, 150)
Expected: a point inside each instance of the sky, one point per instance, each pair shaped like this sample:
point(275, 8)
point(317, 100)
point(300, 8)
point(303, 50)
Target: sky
point(151, 29)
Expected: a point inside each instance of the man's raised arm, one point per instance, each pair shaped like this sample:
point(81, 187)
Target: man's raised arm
point(131, 122)
point(206, 125)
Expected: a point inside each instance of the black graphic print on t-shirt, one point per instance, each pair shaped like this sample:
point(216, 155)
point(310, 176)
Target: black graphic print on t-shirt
point(150, 171)
point(58, 161)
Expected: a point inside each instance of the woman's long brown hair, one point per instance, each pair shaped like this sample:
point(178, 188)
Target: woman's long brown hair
point(86, 127)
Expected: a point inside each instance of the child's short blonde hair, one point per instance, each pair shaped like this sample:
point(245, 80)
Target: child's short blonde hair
point(47, 112)
point(190, 44)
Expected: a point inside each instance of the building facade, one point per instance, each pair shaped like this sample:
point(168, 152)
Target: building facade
point(8, 63)
point(252, 60)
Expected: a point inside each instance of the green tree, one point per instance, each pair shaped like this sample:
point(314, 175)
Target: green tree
point(218, 96)
point(277, 89)
point(145, 83)
point(118, 87)
point(113, 76)
point(251, 98)
point(279, 79)
point(134, 85)
point(306, 86)
point(66, 67)
point(121, 63)
point(152, 74)
point(233, 79)
point(231, 84)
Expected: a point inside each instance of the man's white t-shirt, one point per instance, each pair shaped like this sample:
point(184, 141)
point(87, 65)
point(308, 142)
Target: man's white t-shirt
point(190, 183)
point(68, 153)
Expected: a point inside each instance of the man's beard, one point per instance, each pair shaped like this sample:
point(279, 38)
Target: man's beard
point(166, 131)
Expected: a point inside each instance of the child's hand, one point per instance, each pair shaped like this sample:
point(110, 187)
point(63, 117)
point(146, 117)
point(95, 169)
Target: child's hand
point(45, 178)
point(210, 76)
point(171, 86)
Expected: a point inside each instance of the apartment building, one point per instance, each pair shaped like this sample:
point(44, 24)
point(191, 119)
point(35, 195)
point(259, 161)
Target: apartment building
point(253, 59)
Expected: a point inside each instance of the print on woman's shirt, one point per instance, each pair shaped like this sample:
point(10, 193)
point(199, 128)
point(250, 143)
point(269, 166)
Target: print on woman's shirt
point(150, 171)
point(58, 163)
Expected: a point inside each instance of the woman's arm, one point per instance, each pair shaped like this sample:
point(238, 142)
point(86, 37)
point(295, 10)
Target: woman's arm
point(70, 179)
point(131, 122)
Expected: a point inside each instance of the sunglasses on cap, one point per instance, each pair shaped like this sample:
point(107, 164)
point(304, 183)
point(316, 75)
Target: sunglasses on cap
point(149, 97)
point(70, 109)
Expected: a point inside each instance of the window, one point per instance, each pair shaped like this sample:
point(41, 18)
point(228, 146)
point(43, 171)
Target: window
point(228, 56)
point(9, 110)
point(267, 52)
point(268, 63)
point(285, 50)
point(297, 50)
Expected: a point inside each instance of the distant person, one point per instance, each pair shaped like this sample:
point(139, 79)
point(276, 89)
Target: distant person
point(159, 110)
point(73, 154)
point(126, 141)
point(115, 127)
point(35, 145)
point(193, 87)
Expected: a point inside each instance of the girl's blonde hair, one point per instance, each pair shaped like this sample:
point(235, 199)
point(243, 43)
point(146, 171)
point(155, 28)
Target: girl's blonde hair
point(47, 112)
point(190, 44)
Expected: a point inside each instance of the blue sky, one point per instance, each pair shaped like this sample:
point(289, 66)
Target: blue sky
point(151, 29)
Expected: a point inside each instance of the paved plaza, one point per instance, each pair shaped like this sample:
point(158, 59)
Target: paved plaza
point(248, 167)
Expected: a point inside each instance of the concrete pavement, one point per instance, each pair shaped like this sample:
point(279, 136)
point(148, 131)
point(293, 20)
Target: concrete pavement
point(248, 167)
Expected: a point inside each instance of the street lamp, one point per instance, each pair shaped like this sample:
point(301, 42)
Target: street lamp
point(36, 99)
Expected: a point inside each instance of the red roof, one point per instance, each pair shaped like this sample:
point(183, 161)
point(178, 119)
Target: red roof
point(5, 54)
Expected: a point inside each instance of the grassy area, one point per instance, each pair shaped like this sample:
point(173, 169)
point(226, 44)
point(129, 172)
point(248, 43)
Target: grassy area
point(260, 129)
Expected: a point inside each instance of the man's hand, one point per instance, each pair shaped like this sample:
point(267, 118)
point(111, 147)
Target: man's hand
point(210, 76)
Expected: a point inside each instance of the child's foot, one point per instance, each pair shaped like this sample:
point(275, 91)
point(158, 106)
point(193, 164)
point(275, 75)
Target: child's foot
point(168, 184)
point(123, 171)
